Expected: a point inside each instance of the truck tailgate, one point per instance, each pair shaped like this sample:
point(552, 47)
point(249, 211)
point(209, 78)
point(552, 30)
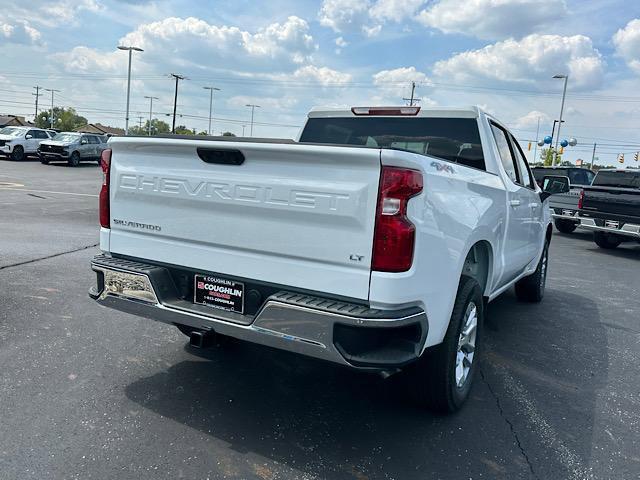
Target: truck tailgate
point(289, 214)
point(611, 201)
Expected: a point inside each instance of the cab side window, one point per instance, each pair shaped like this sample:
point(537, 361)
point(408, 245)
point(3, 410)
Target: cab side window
point(506, 156)
point(523, 166)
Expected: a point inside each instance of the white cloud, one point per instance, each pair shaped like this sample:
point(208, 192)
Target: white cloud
point(20, 32)
point(399, 76)
point(192, 40)
point(344, 15)
point(341, 42)
point(395, 10)
point(532, 60)
point(492, 19)
point(67, 10)
point(321, 75)
point(530, 120)
point(396, 84)
point(627, 42)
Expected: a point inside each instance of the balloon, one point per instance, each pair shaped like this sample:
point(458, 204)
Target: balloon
point(541, 143)
point(547, 139)
point(564, 144)
point(573, 142)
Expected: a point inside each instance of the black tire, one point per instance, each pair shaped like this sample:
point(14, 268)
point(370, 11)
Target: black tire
point(565, 226)
point(18, 154)
point(606, 240)
point(531, 288)
point(74, 159)
point(431, 381)
point(44, 161)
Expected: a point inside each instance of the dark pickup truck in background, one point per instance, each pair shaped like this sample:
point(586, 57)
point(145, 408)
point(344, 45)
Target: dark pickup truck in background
point(611, 207)
point(564, 206)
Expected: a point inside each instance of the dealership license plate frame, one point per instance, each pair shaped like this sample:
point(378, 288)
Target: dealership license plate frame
point(612, 224)
point(203, 295)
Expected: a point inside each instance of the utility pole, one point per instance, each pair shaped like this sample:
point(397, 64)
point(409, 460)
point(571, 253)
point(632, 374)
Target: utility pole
point(593, 155)
point(140, 117)
point(412, 100)
point(211, 89)
point(130, 49)
point(52, 90)
point(151, 99)
point(243, 127)
point(37, 94)
point(175, 99)
point(253, 107)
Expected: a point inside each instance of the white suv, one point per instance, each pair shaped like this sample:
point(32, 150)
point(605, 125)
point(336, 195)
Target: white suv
point(19, 142)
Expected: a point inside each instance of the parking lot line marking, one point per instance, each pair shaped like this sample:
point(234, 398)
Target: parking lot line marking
point(49, 191)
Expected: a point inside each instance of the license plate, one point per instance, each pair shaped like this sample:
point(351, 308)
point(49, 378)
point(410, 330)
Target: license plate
point(219, 293)
point(568, 213)
point(611, 224)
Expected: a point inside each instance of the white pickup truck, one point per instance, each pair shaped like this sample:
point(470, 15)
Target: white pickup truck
point(373, 241)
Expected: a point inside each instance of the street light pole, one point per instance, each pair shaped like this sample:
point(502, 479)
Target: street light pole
point(564, 94)
point(151, 99)
point(253, 108)
point(130, 49)
point(211, 89)
point(52, 90)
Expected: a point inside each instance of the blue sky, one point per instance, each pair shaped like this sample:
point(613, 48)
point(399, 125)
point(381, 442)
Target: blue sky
point(288, 56)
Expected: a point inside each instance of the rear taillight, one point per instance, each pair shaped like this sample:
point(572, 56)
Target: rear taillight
point(105, 163)
point(394, 235)
point(580, 199)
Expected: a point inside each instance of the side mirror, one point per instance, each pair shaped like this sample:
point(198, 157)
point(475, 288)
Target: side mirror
point(28, 136)
point(552, 185)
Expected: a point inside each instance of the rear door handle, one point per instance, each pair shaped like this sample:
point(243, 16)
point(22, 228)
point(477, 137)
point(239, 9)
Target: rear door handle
point(514, 203)
point(534, 204)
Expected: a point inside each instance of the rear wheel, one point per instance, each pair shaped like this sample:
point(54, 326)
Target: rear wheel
point(606, 240)
point(17, 154)
point(441, 379)
point(531, 288)
point(565, 226)
point(74, 159)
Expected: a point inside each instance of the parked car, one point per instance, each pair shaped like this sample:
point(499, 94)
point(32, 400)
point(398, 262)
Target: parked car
point(73, 148)
point(17, 143)
point(374, 241)
point(564, 206)
point(610, 207)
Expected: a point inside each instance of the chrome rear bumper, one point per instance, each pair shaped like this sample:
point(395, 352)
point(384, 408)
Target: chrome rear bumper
point(341, 332)
point(627, 230)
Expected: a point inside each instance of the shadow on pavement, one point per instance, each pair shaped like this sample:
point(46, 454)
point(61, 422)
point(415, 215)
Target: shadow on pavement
point(325, 420)
point(334, 423)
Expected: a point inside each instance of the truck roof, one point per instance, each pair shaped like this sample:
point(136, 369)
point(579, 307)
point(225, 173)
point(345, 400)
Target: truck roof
point(446, 112)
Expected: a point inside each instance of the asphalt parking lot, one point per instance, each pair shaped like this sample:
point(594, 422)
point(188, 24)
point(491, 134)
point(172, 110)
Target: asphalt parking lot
point(91, 393)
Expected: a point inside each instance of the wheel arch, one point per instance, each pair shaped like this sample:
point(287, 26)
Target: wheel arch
point(478, 264)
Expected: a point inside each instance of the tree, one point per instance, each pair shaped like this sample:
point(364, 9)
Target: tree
point(64, 119)
point(182, 130)
point(228, 134)
point(158, 127)
point(203, 132)
point(546, 155)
